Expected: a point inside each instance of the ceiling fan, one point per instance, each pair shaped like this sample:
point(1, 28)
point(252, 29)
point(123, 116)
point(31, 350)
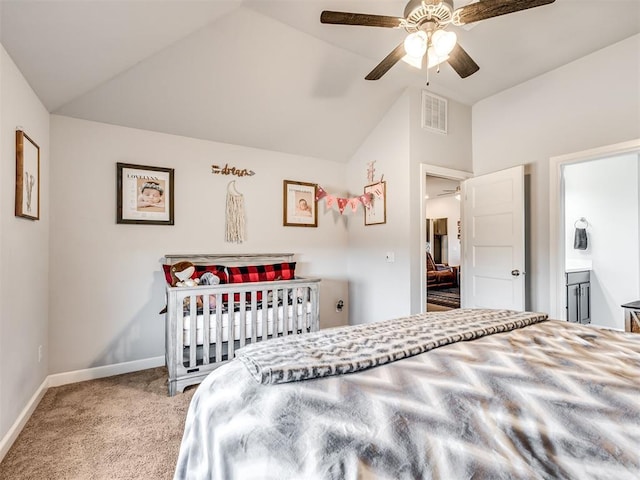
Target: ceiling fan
point(449, 191)
point(425, 22)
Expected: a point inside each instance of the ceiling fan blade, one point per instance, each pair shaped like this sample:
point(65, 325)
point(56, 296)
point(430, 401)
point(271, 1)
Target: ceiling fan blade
point(388, 62)
point(484, 9)
point(461, 62)
point(362, 19)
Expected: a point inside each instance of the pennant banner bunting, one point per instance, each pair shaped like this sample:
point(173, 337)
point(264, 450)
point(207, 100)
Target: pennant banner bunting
point(366, 200)
point(343, 202)
point(321, 193)
point(330, 200)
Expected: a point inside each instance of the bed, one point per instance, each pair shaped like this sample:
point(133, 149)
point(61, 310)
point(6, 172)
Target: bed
point(258, 298)
point(462, 394)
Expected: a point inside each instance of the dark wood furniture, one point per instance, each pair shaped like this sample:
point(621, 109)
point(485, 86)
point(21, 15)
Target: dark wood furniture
point(440, 275)
point(632, 317)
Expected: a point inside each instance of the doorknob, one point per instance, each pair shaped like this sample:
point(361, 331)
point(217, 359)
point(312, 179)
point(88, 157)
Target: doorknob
point(515, 273)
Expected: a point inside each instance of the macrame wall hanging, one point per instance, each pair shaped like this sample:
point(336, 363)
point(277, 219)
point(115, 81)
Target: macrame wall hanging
point(235, 219)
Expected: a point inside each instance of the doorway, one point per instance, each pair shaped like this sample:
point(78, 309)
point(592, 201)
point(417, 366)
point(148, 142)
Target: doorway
point(442, 208)
point(441, 254)
point(608, 213)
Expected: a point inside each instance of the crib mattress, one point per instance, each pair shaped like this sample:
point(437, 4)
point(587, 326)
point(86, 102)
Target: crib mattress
point(281, 316)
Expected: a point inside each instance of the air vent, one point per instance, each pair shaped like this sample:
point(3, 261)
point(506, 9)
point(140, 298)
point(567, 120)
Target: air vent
point(434, 113)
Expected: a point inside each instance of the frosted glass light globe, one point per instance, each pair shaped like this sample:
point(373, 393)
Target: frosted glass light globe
point(434, 59)
point(443, 42)
point(415, 45)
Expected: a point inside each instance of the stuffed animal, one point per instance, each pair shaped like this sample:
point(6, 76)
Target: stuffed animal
point(181, 274)
point(209, 278)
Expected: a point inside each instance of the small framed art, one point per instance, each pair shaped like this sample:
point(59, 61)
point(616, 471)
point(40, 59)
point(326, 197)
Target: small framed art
point(376, 212)
point(27, 177)
point(144, 194)
point(299, 206)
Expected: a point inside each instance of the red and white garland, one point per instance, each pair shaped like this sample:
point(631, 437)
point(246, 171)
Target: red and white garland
point(342, 203)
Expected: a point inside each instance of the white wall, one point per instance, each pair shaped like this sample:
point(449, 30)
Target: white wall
point(605, 193)
point(381, 290)
point(452, 151)
point(106, 281)
point(24, 251)
point(447, 207)
point(591, 102)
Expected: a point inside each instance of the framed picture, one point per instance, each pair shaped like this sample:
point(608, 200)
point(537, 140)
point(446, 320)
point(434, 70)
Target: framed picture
point(144, 194)
point(300, 208)
point(376, 213)
point(27, 177)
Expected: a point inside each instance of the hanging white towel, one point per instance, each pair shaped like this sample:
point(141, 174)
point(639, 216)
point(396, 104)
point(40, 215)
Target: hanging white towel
point(235, 219)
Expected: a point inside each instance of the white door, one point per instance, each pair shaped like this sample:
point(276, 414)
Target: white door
point(493, 240)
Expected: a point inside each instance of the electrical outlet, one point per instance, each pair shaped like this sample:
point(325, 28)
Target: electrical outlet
point(39, 353)
point(339, 305)
point(390, 257)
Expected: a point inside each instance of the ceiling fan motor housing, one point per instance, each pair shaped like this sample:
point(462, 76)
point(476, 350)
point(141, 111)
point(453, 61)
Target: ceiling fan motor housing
point(419, 12)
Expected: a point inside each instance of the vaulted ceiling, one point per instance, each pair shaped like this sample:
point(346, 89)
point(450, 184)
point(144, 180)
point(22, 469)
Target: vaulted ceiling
point(267, 73)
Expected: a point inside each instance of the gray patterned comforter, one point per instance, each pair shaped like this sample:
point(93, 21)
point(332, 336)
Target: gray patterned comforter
point(550, 400)
point(351, 349)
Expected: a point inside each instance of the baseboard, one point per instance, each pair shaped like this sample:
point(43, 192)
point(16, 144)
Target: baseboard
point(75, 376)
point(18, 425)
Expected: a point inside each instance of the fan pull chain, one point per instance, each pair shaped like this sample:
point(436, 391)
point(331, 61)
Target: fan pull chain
point(437, 71)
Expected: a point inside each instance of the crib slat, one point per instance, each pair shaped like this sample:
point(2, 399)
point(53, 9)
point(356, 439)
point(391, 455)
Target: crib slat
point(295, 313)
point(283, 312)
point(298, 315)
point(218, 327)
point(315, 310)
point(231, 334)
point(242, 319)
point(253, 311)
point(265, 315)
point(193, 324)
point(307, 309)
point(206, 325)
point(304, 313)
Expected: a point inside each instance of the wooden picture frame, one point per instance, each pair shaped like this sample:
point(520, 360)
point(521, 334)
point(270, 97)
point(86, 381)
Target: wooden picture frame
point(144, 194)
point(376, 212)
point(299, 204)
point(27, 177)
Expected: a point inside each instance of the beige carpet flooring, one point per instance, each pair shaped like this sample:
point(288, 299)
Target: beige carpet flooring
point(121, 427)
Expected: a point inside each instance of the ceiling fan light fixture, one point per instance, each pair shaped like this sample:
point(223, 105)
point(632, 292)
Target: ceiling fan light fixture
point(443, 42)
point(415, 45)
point(434, 59)
point(425, 21)
point(415, 62)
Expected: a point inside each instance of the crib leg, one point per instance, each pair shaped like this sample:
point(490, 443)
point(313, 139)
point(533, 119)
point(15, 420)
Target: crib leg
point(173, 384)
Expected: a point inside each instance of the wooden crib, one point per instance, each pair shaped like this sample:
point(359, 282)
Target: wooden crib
point(236, 313)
